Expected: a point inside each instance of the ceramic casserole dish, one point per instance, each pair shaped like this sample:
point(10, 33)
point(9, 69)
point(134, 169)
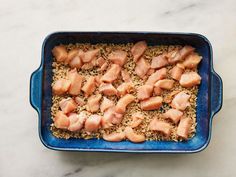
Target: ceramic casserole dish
point(209, 100)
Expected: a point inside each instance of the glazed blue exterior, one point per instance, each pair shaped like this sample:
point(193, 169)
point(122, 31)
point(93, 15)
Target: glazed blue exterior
point(209, 100)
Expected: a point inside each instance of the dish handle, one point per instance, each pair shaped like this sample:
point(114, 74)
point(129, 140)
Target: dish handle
point(36, 89)
point(216, 93)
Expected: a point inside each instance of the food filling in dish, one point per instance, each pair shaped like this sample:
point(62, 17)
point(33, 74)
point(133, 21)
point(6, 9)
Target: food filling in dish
point(131, 92)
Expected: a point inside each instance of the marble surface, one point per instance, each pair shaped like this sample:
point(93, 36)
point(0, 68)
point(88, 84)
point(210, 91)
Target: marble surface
point(23, 26)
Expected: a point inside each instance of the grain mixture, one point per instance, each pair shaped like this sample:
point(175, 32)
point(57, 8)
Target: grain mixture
point(60, 70)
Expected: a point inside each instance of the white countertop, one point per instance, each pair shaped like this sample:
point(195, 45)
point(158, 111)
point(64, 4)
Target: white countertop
point(23, 26)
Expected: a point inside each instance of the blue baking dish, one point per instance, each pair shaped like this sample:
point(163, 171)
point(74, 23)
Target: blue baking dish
point(209, 100)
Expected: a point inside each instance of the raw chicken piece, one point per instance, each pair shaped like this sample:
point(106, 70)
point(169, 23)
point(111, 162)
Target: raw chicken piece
point(142, 67)
point(173, 56)
point(100, 61)
point(111, 74)
point(76, 82)
point(98, 80)
point(123, 103)
point(178, 55)
point(76, 62)
point(118, 117)
point(173, 114)
point(150, 71)
point(168, 98)
point(190, 79)
point(93, 103)
point(125, 76)
point(79, 101)
point(157, 91)
point(76, 121)
point(61, 120)
point(71, 54)
point(114, 137)
point(180, 101)
point(151, 103)
point(138, 50)
point(192, 60)
point(184, 128)
point(92, 123)
point(173, 93)
point(67, 105)
point(165, 84)
point(177, 71)
point(118, 57)
point(144, 92)
point(159, 62)
point(125, 88)
point(160, 126)
point(90, 55)
point(106, 104)
point(186, 50)
point(137, 119)
point(61, 86)
point(89, 86)
point(107, 89)
point(158, 75)
point(89, 65)
point(103, 67)
point(135, 138)
point(60, 53)
point(111, 117)
point(106, 121)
